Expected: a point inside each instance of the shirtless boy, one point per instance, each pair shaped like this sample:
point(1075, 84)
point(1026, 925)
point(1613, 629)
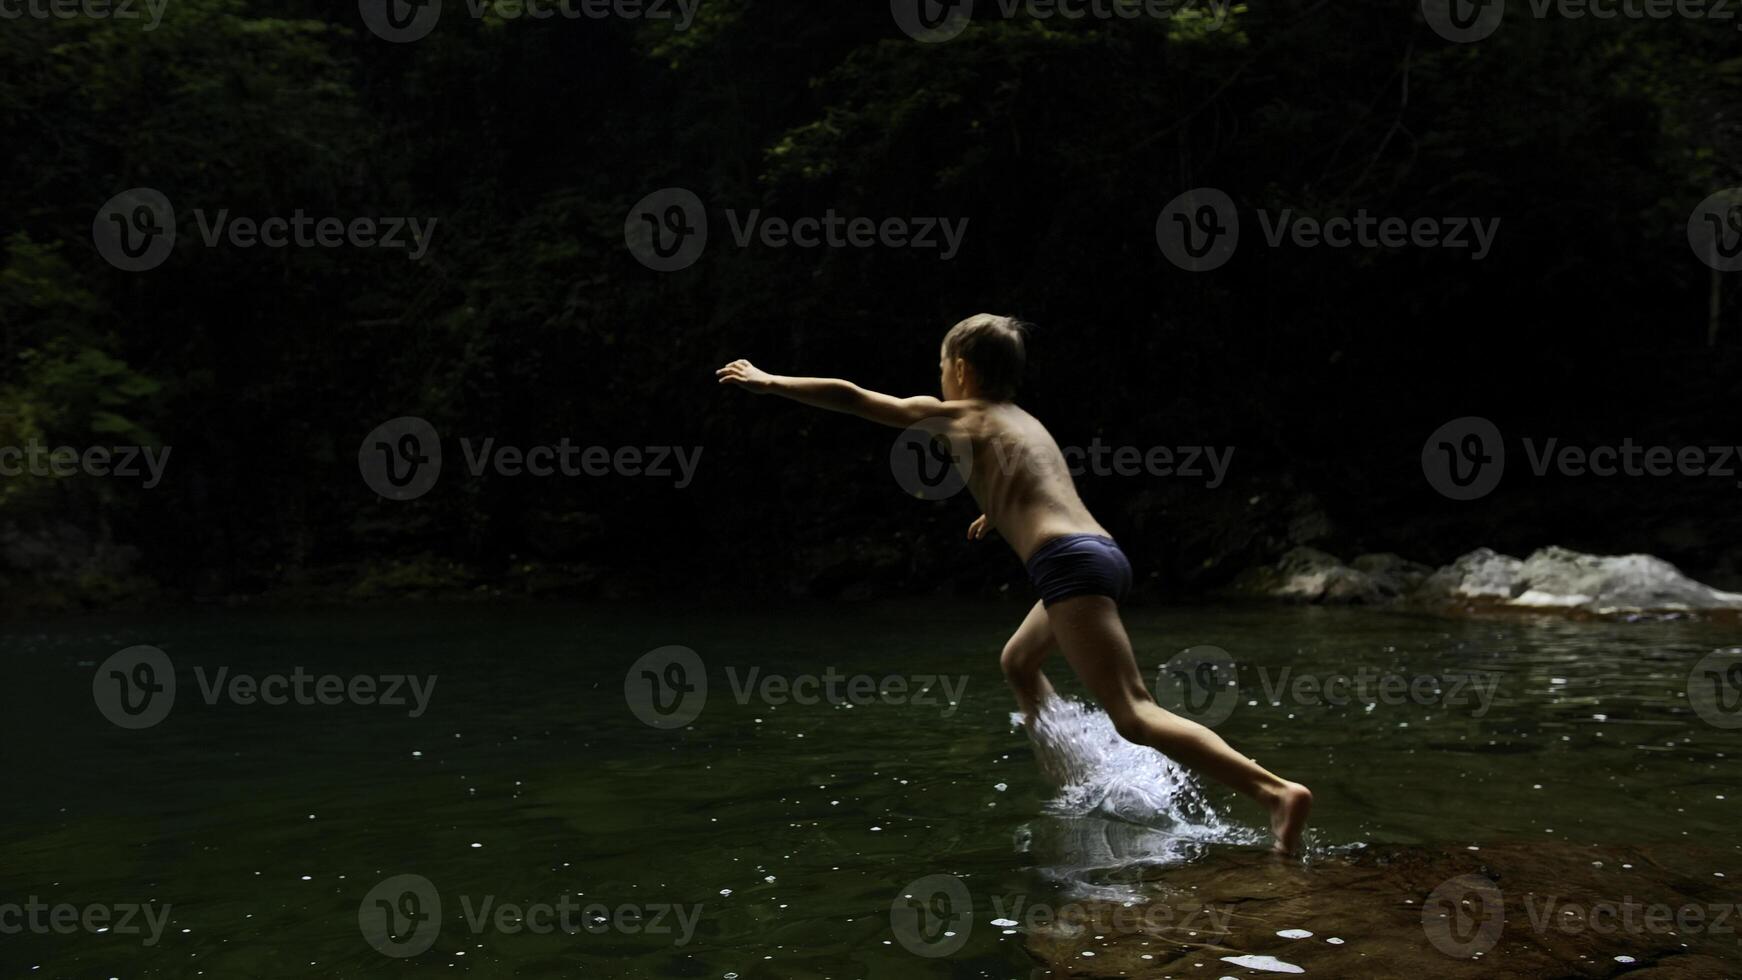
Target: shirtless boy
point(1023, 486)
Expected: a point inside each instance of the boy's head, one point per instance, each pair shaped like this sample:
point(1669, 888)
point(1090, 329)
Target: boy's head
point(983, 357)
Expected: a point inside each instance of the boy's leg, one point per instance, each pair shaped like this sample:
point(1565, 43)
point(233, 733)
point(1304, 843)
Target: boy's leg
point(1088, 629)
point(1023, 654)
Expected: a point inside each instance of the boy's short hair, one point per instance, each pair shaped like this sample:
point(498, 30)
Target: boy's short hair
point(996, 347)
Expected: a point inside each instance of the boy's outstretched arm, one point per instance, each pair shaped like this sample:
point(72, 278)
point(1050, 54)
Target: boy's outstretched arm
point(835, 395)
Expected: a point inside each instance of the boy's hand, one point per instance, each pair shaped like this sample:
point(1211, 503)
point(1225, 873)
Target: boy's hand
point(836, 395)
point(746, 375)
point(979, 528)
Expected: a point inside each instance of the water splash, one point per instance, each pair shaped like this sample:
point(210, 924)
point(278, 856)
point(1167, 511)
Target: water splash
point(1120, 807)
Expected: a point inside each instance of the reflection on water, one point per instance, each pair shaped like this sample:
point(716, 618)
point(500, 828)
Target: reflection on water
point(1121, 809)
point(793, 825)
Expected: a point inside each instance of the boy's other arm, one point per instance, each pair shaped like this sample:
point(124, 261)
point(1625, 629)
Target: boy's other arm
point(835, 395)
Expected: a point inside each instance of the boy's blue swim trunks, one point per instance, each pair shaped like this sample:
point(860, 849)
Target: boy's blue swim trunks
point(1079, 564)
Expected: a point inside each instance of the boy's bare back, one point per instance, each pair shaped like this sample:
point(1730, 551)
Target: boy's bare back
point(1019, 476)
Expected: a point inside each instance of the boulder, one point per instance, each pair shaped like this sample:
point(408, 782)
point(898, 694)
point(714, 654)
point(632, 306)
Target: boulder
point(1393, 575)
point(1481, 574)
point(1311, 575)
point(1614, 583)
point(1551, 579)
point(1558, 578)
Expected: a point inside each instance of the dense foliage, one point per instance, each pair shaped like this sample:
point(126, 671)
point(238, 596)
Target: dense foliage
point(529, 321)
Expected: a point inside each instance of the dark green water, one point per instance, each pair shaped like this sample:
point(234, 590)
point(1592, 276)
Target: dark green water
point(793, 827)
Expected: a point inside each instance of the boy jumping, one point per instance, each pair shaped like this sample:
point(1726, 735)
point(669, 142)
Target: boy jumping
point(1020, 479)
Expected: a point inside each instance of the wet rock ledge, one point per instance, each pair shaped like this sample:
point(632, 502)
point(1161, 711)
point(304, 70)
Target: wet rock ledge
point(1447, 912)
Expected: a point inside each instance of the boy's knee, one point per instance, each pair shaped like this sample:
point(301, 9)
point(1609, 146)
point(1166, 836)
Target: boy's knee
point(1131, 727)
point(1010, 662)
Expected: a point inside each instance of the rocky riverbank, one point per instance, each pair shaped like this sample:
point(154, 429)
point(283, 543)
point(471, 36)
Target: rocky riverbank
point(1548, 580)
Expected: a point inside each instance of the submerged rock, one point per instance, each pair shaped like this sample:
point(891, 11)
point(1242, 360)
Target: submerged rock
point(1508, 910)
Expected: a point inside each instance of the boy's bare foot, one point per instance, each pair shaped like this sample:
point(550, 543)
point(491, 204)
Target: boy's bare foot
point(1289, 810)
